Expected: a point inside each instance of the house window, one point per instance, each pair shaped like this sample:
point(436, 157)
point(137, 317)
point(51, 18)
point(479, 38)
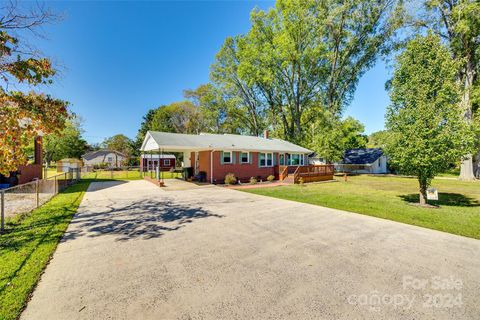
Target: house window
point(269, 159)
point(295, 159)
point(282, 159)
point(261, 159)
point(265, 159)
point(109, 159)
point(244, 157)
point(166, 162)
point(227, 156)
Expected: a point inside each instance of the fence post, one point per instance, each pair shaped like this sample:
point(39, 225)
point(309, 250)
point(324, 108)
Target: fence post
point(37, 196)
point(55, 186)
point(2, 218)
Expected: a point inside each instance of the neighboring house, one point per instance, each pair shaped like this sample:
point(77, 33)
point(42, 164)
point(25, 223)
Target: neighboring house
point(369, 160)
point(109, 158)
point(215, 155)
point(150, 162)
point(315, 159)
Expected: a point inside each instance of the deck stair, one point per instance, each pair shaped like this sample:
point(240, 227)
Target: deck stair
point(289, 179)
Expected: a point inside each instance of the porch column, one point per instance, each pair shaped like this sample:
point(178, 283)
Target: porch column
point(186, 159)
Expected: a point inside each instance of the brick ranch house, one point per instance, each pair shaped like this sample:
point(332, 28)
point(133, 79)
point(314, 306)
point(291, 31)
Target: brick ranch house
point(216, 155)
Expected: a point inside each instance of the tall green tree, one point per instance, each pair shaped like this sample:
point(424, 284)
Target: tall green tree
point(302, 57)
point(144, 127)
point(212, 108)
point(457, 22)
point(67, 144)
point(119, 143)
point(179, 117)
point(335, 136)
point(427, 131)
point(378, 139)
point(243, 100)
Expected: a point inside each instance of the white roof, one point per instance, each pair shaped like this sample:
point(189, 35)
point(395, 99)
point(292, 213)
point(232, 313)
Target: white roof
point(167, 141)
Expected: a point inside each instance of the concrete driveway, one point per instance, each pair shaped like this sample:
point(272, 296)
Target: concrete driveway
point(134, 251)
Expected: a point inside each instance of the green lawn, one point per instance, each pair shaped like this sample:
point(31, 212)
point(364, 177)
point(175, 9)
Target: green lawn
point(52, 172)
point(391, 198)
point(28, 245)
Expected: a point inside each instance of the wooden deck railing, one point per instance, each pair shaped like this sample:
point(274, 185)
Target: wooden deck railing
point(296, 176)
point(283, 172)
point(313, 173)
point(308, 173)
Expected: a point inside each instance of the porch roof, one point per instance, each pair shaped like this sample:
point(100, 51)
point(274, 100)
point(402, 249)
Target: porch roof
point(177, 142)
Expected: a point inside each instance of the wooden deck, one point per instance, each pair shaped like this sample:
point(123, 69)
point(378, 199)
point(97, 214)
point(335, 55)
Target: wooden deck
point(310, 173)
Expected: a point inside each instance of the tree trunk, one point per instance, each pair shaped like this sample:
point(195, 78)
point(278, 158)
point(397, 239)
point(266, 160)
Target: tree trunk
point(476, 165)
point(466, 167)
point(423, 190)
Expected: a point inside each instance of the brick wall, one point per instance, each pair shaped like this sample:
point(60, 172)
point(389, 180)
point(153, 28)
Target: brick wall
point(241, 171)
point(29, 172)
point(35, 170)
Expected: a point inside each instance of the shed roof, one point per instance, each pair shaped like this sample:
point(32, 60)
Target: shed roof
point(362, 156)
point(167, 141)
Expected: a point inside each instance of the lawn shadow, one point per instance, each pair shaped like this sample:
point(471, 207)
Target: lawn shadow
point(445, 199)
point(144, 219)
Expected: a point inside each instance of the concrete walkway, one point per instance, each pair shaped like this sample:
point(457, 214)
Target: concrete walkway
point(134, 251)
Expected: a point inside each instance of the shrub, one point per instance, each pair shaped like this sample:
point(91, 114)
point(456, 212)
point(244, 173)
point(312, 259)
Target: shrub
point(253, 180)
point(270, 178)
point(230, 178)
point(102, 165)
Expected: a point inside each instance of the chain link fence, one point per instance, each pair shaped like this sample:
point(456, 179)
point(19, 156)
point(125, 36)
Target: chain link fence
point(121, 173)
point(21, 199)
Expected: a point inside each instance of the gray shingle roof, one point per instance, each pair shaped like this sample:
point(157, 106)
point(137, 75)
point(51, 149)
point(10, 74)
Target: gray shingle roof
point(362, 156)
point(207, 141)
point(99, 153)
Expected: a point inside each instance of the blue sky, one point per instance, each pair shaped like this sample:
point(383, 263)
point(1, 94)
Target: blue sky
point(119, 59)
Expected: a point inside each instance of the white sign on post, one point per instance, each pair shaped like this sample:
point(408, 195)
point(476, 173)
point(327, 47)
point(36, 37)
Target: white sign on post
point(432, 194)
